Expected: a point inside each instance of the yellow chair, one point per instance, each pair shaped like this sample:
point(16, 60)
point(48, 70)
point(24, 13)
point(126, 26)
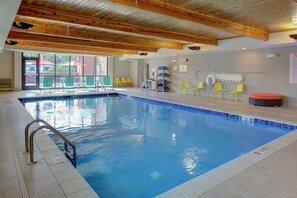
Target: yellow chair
point(124, 81)
point(196, 89)
point(236, 91)
point(117, 82)
point(183, 86)
point(217, 88)
point(129, 81)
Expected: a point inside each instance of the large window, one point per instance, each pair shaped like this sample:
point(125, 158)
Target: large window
point(62, 69)
point(101, 66)
point(76, 69)
point(76, 66)
point(58, 66)
point(89, 66)
point(46, 67)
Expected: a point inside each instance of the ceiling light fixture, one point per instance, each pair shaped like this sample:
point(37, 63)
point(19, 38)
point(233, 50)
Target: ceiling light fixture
point(293, 36)
point(22, 25)
point(194, 47)
point(11, 42)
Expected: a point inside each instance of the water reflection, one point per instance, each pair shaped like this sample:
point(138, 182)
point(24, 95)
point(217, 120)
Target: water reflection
point(77, 113)
point(190, 160)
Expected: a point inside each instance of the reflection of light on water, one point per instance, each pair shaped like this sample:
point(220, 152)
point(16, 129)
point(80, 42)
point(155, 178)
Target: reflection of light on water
point(137, 137)
point(96, 166)
point(190, 160)
point(173, 138)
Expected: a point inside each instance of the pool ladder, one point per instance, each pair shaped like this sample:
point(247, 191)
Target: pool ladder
point(30, 145)
point(103, 87)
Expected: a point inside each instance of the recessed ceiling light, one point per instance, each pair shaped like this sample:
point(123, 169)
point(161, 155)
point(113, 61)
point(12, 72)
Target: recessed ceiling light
point(244, 48)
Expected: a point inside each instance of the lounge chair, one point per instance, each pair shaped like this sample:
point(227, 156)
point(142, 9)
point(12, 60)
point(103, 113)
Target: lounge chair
point(90, 82)
point(106, 81)
point(47, 83)
point(69, 83)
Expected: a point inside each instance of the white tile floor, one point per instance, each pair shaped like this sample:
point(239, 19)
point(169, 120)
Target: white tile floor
point(272, 174)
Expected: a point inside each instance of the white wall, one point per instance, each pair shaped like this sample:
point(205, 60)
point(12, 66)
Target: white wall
point(7, 65)
point(125, 68)
point(121, 68)
point(110, 69)
point(134, 72)
point(17, 71)
point(261, 74)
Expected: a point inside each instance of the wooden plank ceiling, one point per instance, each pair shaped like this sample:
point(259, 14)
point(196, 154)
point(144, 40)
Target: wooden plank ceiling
point(130, 26)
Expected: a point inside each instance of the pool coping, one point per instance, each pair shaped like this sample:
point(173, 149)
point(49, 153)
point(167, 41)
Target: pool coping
point(203, 183)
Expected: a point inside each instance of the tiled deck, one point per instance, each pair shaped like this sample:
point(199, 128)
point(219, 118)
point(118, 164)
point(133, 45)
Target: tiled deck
point(271, 174)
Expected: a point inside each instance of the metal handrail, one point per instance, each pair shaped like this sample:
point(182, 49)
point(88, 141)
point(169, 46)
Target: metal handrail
point(27, 131)
point(103, 87)
point(55, 131)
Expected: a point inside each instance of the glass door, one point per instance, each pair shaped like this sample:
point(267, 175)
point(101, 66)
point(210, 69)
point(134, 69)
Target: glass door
point(30, 72)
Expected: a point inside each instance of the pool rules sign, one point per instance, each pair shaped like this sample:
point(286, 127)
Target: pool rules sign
point(293, 68)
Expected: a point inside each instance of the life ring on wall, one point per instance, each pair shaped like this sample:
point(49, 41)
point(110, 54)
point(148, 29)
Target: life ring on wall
point(196, 74)
point(210, 80)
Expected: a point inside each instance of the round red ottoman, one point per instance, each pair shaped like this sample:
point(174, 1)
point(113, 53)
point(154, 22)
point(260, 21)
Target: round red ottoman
point(266, 99)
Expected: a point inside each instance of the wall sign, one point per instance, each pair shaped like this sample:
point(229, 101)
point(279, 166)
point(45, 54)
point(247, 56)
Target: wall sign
point(58, 159)
point(183, 68)
point(293, 68)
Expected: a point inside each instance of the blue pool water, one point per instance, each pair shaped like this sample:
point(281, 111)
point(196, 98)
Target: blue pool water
point(132, 149)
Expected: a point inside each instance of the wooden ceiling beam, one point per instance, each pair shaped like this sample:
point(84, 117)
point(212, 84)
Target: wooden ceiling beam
point(80, 33)
point(73, 18)
point(172, 10)
point(51, 47)
point(75, 42)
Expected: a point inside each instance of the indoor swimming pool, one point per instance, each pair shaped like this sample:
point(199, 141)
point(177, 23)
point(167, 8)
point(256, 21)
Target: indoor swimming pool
point(133, 147)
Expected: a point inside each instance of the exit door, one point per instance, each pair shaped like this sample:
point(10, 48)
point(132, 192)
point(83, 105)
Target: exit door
point(30, 74)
